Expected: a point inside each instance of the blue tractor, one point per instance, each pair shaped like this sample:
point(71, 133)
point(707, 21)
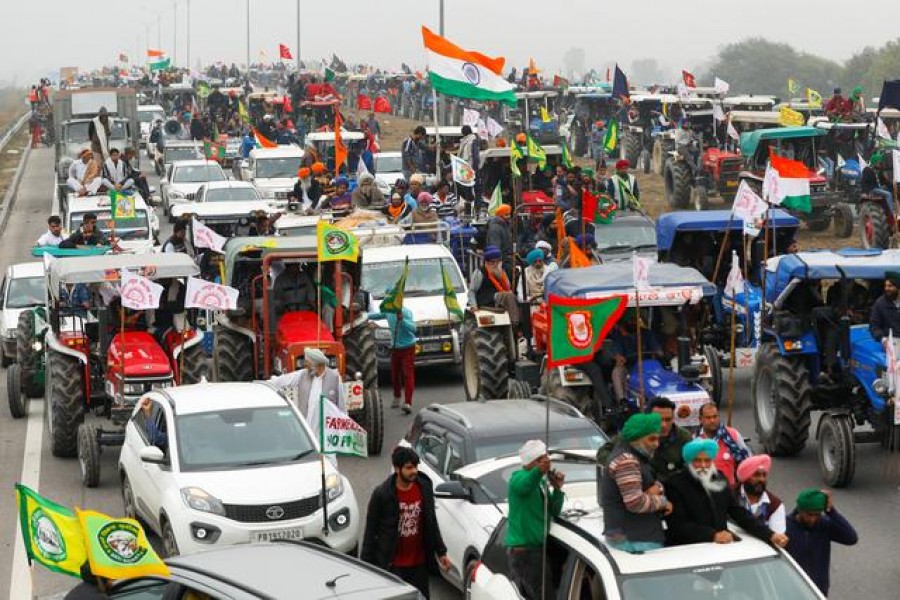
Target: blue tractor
point(674, 370)
point(817, 353)
point(695, 239)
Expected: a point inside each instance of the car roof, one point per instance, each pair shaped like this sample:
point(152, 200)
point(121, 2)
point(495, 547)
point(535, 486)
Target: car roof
point(497, 418)
point(228, 183)
point(750, 139)
point(390, 154)
point(484, 467)
point(100, 203)
point(198, 162)
point(328, 136)
point(273, 571)
point(382, 254)
point(25, 270)
point(95, 269)
point(669, 224)
point(212, 397)
point(182, 144)
point(289, 151)
point(613, 278)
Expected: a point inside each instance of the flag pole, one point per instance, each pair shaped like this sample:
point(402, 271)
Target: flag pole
point(640, 357)
point(731, 362)
point(122, 350)
point(322, 463)
point(437, 133)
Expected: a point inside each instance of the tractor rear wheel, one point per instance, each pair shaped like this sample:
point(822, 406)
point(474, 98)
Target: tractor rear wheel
point(837, 451)
point(678, 184)
point(195, 366)
point(235, 353)
point(843, 220)
point(18, 403)
point(65, 403)
point(581, 397)
point(818, 220)
point(89, 455)
point(646, 161)
point(633, 146)
point(874, 226)
point(359, 345)
point(658, 161)
point(485, 363)
point(781, 397)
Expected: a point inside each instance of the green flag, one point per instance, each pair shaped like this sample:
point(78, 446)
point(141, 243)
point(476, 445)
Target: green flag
point(329, 74)
point(202, 89)
point(515, 155)
point(450, 300)
point(338, 433)
point(606, 210)
point(496, 201)
point(578, 326)
point(393, 300)
point(536, 152)
point(612, 137)
point(118, 548)
point(121, 205)
point(51, 533)
point(566, 157)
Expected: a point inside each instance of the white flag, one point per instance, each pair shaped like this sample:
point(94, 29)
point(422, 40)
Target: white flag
point(771, 185)
point(210, 296)
point(733, 133)
point(496, 201)
point(749, 207)
point(881, 130)
point(735, 282)
point(494, 128)
point(463, 173)
point(204, 237)
point(840, 161)
point(481, 129)
point(684, 93)
point(138, 293)
point(722, 86)
point(718, 113)
point(640, 272)
point(863, 165)
point(361, 168)
point(470, 117)
point(340, 434)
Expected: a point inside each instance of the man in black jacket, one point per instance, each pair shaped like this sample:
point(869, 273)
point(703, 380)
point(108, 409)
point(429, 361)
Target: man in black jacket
point(402, 533)
point(86, 235)
point(885, 315)
point(702, 503)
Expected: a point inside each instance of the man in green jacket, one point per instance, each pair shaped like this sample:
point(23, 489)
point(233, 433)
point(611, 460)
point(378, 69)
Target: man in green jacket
point(667, 460)
point(531, 504)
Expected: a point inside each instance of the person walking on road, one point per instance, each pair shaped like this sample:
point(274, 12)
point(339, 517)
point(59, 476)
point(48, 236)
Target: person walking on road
point(403, 354)
point(531, 507)
point(811, 528)
point(402, 533)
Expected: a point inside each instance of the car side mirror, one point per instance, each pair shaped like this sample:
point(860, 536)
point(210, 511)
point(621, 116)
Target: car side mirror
point(452, 490)
point(153, 455)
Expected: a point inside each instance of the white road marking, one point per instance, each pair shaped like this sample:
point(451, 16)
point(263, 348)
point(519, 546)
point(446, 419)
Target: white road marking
point(20, 586)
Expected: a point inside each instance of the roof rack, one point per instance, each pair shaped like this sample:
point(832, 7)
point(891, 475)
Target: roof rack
point(449, 412)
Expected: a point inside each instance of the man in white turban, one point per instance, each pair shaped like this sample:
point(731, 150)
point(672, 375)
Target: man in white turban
point(308, 384)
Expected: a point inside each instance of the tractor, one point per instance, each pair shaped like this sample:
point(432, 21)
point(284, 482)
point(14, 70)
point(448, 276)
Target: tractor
point(802, 144)
point(588, 109)
point(825, 359)
point(687, 374)
point(101, 359)
point(645, 123)
point(267, 334)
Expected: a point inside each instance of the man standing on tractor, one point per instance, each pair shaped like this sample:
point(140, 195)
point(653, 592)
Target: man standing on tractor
point(403, 354)
point(885, 315)
point(623, 187)
point(316, 379)
point(500, 236)
point(838, 108)
point(413, 153)
point(625, 351)
point(732, 449)
point(294, 290)
point(753, 475)
point(490, 286)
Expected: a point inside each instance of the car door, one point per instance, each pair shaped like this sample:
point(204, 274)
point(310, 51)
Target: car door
point(431, 447)
point(150, 480)
point(454, 516)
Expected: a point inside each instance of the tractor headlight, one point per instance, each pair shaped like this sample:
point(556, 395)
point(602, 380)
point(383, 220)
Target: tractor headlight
point(199, 499)
point(881, 387)
point(37, 346)
point(133, 388)
point(334, 486)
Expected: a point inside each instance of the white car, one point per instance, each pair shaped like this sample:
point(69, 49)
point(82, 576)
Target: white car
point(216, 464)
point(137, 234)
point(388, 169)
point(183, 178)
point(181, 150)
point(226, 205)
point(273, 171)
point(148, 114)
point(581, 565)
point(23, 287)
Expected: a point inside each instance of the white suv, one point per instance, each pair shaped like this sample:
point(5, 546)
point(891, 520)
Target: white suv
point(215, 464)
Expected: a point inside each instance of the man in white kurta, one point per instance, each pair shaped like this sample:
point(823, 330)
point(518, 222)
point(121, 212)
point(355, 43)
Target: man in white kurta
point(308, 384)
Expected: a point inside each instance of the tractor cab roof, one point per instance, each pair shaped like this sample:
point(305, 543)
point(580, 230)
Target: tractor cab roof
point(257, 247)
point(849, 263)
point(750, 140)
point(763, 102)
point(669, 225)
point(671, 284)
point(761, 117)
point(107, 268)
point(827, 125)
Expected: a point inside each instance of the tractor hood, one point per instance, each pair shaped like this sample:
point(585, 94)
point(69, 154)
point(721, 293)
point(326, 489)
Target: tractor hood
point(301, 327)
point(143, 355)
point(659, 381)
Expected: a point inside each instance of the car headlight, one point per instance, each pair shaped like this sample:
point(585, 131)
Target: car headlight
point(37, 346)
point(383, 334)
point(334, 486)
point(199, 499)
point(133, 388)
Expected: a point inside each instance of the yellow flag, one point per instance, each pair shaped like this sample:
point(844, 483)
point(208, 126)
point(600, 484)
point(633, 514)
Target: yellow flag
point(336, 244)
point(242, 113)
point(793, 87)
point(789, 117)
point(545, 116)
point(51, 533)
point(118, 548)
point(814, 98)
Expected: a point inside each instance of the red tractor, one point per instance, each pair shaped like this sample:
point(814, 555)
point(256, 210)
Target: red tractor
point(276, 321)
point(694, 173)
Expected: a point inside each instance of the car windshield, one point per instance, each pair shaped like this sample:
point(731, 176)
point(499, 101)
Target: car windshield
point(25, 292)
point(496, 483)
point(176, 153)
point(271, 168)
point(77, 133)
point(424, 277)
point(388, 164)
point(586, 438)
point(624, 238)
point(134, 228)
point(149, 116)
point(766, 579)
point(198, 174)
point(231, 194)
point(245, 437)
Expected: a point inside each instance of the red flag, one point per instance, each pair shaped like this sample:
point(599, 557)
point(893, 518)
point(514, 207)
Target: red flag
point(363, 102)
point(688, 79)
point(588, 206)
point(287, 108)
point(340, 150)
point(284, 52)
point(382, 105)
point(607, 75)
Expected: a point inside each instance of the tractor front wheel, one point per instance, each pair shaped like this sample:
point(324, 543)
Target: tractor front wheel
point(235, 353)
point(18, 403)
point(837, 451)
point(843, 220)
point(581, 397)
point(678, 184)
point(26, 355)
point(65, 400)
point(781, 397)
point(818, 220)
point(714, 384)
point(89, 455)
point(875, 229)
point(485, 363)
point(633, 145)
point(359, 345)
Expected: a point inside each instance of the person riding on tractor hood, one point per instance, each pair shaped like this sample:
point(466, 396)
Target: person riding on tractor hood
point(415, 188)
point(342, 200)
point(306, 190)
point(309, 383)
point(490, 286)
point(397, 209)
point(367, 194)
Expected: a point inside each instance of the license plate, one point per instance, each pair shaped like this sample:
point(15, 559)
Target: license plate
point(731, 184)
point(293, 533)
point(433, 347)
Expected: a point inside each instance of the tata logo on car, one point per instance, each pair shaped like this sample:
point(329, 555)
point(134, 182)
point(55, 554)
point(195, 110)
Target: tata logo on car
point(274, 512)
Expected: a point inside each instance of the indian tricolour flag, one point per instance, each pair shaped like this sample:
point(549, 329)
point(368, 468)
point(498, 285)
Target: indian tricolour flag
point(465, 73)
point(787, 184)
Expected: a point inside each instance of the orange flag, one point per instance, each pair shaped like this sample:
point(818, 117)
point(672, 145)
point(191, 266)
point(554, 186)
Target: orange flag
point(340, 150)
point(577, 258)
point(262, 141)
point(560, 232)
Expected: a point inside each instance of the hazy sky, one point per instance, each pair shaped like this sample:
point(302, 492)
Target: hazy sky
point(42, 35)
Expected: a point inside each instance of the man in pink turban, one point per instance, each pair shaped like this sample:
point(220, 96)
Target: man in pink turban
point(753, 476)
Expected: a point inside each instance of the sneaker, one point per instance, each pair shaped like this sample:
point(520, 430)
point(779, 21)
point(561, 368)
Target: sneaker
point(407, 409)
point(396, 402)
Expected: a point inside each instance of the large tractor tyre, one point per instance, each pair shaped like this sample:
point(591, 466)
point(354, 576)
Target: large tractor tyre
point(235, 354)
point(359, 345)
point(89, 455)
point(5, 360)
point(26, 355)
point(65, 399)
point(658, 159)
point(646, 161)
point(837, 451)
point(818, 220)
point(699, 197)
point(518, 389)
point(874, 226)
point(581, 397)
point(485, 363)
point(715, 383)
point(633, 147)
point(781, 397)
point(18, 403)
point(843, 220)
point(195, 365)
point(678, 185)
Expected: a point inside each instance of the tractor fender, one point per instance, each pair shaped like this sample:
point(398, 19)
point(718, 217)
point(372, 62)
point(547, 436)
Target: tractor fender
point(192, 341)
point(489, 318)
point(227, 323)
point(581, 378)
point(809, 345)
point(832, 412)
point(53, 343)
